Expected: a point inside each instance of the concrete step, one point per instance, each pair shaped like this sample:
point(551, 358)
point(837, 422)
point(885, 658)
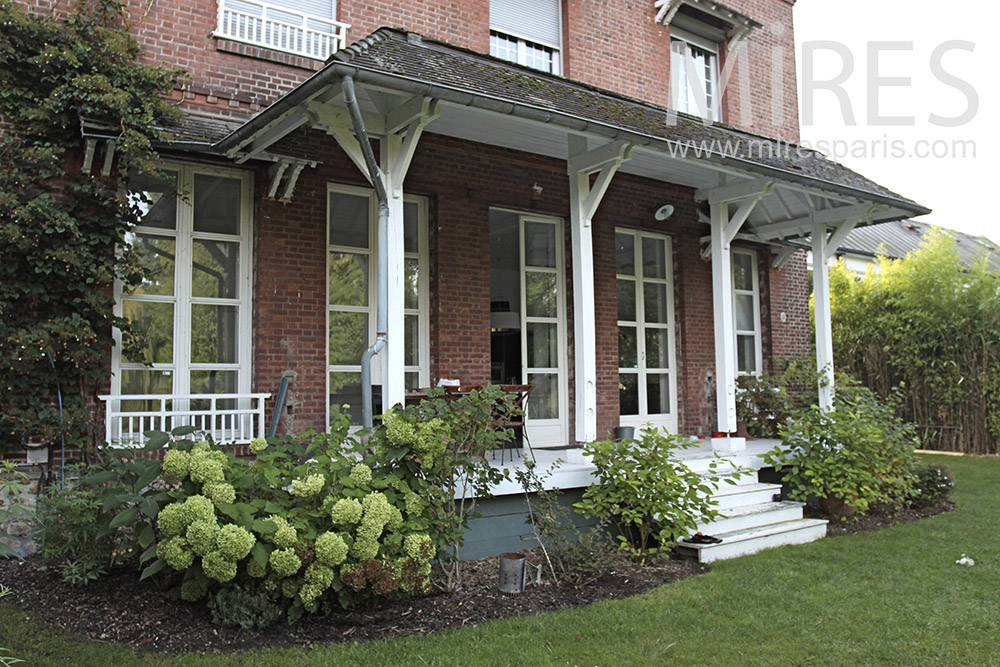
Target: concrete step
point(730, 496)
point(750, 541)
point(752, 516)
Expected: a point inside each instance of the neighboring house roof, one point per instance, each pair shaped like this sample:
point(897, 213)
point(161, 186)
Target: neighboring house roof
point(898, 239)
point(407, 61)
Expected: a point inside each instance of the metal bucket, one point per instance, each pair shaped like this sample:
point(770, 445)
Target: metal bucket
point(624, 432)
point(513, 573)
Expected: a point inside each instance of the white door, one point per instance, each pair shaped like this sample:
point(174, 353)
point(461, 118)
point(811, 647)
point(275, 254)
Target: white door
point(647, 391)
point(543, 327)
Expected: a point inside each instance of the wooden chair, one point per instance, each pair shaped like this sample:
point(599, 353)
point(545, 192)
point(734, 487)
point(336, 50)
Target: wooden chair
point(516, 422)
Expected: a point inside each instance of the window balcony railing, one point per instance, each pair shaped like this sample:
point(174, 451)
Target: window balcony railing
point(226, 418)
point(274, 27)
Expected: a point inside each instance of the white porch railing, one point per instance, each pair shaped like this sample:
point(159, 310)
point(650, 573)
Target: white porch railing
point(227, 418)
point(275, 27)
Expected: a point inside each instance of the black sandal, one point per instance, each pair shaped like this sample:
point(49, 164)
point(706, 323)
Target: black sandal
point(699, 538)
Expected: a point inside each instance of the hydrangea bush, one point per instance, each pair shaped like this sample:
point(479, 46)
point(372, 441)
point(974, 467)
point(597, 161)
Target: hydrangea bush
point(329, 523)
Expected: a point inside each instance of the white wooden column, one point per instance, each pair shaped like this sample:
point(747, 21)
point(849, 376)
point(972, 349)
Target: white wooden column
point(584, 200)
point(725, 328)
point(823, 250)
point(399, 132)
point(392, 357)
point(724, 229)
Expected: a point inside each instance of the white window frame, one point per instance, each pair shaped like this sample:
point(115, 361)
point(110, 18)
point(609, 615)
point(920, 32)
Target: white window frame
point(523, 46)
point(184, 236)
point(423, 287)
point(755, 293)
point(681, 86)
point(667, 420)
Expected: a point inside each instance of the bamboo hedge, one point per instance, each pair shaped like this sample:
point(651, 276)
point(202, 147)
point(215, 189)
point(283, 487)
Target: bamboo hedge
point(930, 323)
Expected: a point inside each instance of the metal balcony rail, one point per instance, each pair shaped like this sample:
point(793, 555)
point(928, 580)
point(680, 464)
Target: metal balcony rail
point(226, 418)
point(274, 27)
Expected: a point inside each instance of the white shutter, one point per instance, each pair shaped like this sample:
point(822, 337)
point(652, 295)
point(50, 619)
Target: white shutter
point(326, 9)
point(536, 21)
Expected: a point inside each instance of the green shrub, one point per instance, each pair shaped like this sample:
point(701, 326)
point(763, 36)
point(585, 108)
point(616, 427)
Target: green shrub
point(932, 486)
point(575, 554)
point(246, 606)
point(15, 515)
point(858, 454)
point(766, 402)
point(104, 516)
point(648, 492)
point(331, 522)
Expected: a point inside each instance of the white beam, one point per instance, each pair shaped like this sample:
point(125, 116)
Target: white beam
point(109, 157)
point(823, 318)
point(290, 183)
point(804, 224)
point(89, 146)
point(270, 136)
point(757, 187)
point(590, 161)
point(584, 200)
point(413, 109)
point(349, 143)
point(838, 237)
point(276, 171)
point(725, 330)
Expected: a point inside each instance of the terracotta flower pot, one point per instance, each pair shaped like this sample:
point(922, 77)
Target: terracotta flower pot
point(840, 508)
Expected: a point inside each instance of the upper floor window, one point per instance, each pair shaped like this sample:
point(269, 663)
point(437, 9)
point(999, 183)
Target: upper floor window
point(701, 33)
point(694, 73)
point(527, 32)
point(302, 27)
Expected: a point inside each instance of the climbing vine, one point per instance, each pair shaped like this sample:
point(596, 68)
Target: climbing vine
point(61, 228)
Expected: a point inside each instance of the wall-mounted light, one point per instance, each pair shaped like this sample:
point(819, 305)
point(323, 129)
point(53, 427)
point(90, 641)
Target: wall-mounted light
point(537, 189)
point(664, 212)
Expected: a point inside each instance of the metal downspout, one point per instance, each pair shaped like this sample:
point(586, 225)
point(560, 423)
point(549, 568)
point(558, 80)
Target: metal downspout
point(381, 317)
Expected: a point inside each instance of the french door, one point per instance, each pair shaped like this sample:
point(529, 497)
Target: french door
point(543, 327)
point(647, 381)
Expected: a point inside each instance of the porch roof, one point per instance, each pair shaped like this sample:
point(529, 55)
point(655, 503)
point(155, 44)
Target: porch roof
point(491, 101)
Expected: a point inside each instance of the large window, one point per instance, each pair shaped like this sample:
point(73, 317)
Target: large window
point(746, 303)
point(527, 32)
point(646, 382)
point(352, 294)
point(191, 313)
point(694, 71)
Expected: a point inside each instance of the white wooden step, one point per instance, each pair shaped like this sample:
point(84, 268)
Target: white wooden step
point(752, 516)
point(750, 541)
point(724, 465)
point(729, 496)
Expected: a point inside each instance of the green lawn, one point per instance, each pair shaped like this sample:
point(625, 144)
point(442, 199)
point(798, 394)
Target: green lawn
point(895, 597)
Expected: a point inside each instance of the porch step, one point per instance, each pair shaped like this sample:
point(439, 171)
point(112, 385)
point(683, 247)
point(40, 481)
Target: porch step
point(753, 516)
point(725, 464)
point(749, 541)
point(729, 496)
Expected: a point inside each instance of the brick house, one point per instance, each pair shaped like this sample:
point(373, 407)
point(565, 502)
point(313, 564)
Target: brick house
point(594, 198)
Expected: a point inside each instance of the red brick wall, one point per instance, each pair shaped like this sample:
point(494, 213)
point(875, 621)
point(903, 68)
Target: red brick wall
point(462, 181)
point(612, 45)
point(617, 46)
point(786, 294)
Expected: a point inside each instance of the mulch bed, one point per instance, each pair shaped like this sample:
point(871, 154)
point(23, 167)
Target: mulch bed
point(118, 609)
point(877, 519)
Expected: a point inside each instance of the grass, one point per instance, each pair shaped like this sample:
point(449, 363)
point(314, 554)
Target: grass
point(894, 597)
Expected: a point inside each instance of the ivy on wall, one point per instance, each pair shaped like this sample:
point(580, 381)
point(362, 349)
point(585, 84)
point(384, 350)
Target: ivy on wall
point(60, 228)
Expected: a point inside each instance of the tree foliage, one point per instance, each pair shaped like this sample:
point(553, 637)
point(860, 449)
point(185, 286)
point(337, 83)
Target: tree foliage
point(933, 325)
point(59, 226)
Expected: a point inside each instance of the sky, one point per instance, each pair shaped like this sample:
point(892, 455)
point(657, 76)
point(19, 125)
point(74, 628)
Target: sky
point(918, 107)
